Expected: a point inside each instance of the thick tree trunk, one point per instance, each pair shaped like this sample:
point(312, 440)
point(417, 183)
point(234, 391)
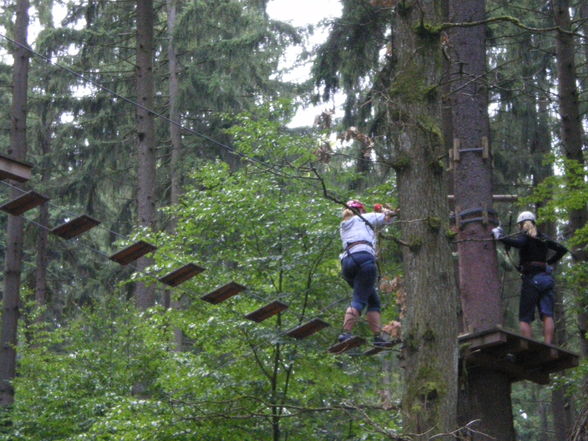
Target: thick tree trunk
point(485, 394)
point(145, 295)
point(430, 327)
point(14, 231)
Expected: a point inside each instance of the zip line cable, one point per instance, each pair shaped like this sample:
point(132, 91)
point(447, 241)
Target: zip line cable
point(229, 149)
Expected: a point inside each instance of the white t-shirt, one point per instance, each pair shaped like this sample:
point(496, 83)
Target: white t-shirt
point(355, 230)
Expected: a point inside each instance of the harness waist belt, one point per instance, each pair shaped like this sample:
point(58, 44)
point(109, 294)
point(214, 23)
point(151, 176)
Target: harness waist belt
point(359, 242)
point(534, 266)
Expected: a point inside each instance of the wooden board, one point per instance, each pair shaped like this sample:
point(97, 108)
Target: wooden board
point(223, 293)
point(344, 346)
point(13, 169)
point(75, 227)
point(267, 311)
point(182, 274)
point(307, 329)
point(24, 203)
point(132, 252)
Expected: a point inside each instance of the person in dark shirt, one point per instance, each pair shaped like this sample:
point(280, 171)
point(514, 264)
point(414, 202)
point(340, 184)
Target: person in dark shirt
point(537, 254)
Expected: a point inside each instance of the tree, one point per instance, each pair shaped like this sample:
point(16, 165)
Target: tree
point(430, 328)
point(486, 394)
point(145, 295)
point(14, 231)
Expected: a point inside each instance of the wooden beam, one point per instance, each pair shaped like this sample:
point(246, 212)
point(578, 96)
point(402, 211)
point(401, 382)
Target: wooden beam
point(181, 274)
point(13, 169)
point(132, 252)
point(267, 311)
point(75, 227)
point(495, 197)
point(513, 370)
point(307, 329)
point(24, 203)
point(223, 293)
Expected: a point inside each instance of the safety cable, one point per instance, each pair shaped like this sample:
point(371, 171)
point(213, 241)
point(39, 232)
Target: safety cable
point(229, 149)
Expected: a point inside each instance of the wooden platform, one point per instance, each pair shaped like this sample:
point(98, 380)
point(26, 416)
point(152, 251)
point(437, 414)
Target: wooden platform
point(267, 311)
point(75, 227)
point(24, 203)
point(307, 329)
point(344, 346)
point(133, 252)
point(12, 169)
point(519, 357)
point(182, 274)
point(223, 293)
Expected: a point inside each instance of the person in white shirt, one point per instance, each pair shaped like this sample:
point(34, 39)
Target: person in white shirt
point(358, 264)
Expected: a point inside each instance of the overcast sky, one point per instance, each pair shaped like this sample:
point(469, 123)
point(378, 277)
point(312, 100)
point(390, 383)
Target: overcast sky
point(302, 13)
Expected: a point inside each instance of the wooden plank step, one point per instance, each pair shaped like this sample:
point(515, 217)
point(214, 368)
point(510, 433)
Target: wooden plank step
point(24, 203)
point(307, 329)
point(132, 252)
point(267, 311)
point(13, 169)
point(182, 274)
point(344, 346)
point(75, 227)
point(223, 293)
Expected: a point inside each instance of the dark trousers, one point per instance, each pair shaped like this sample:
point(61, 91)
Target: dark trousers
point(361, 272)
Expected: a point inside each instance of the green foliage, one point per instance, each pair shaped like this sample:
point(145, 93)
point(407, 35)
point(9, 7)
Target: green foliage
point(112, 372)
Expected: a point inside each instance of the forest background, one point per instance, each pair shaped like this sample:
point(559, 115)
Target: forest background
point(169, 122)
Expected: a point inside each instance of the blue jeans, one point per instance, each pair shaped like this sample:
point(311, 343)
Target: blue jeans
point(536, 293)
point(360, 272)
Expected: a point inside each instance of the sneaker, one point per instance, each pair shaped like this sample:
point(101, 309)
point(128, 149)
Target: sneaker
point(344, 337)
point(380, 342)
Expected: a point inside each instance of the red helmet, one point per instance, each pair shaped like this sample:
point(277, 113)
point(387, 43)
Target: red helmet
point(357, 205)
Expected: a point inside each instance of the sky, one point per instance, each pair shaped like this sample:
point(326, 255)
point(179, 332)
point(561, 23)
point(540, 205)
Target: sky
point(303, 13)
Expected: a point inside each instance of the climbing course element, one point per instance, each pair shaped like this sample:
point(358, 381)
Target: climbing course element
point(12, 169)
point(181, 275)
point(518, 357)
point(307, 329)
point(132, 252)
point(24, 203)
point(267, 311)
point(223, 293)
point(346, 345)
point(75, 227)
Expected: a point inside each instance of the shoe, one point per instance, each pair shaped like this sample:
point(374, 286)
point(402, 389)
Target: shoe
point(380, 342)
point(344, 337)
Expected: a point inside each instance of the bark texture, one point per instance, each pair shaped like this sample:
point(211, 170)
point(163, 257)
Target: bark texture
point(14, 230)
point(484, 393)
point(430, 328)
point(145, 295)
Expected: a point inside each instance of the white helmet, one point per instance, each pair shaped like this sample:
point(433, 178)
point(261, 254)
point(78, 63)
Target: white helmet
point(525, 216)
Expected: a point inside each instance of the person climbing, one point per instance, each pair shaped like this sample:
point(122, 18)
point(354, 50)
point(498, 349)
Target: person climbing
point(358, 265)
point(535, 266)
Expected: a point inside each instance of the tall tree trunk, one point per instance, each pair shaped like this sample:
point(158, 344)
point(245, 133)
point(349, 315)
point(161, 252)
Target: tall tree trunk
point(176, 138)
point(571, 137)
point(430, 327)
point(14, 231)
point(145, 295)
point(485, 394)
point(562, 406)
